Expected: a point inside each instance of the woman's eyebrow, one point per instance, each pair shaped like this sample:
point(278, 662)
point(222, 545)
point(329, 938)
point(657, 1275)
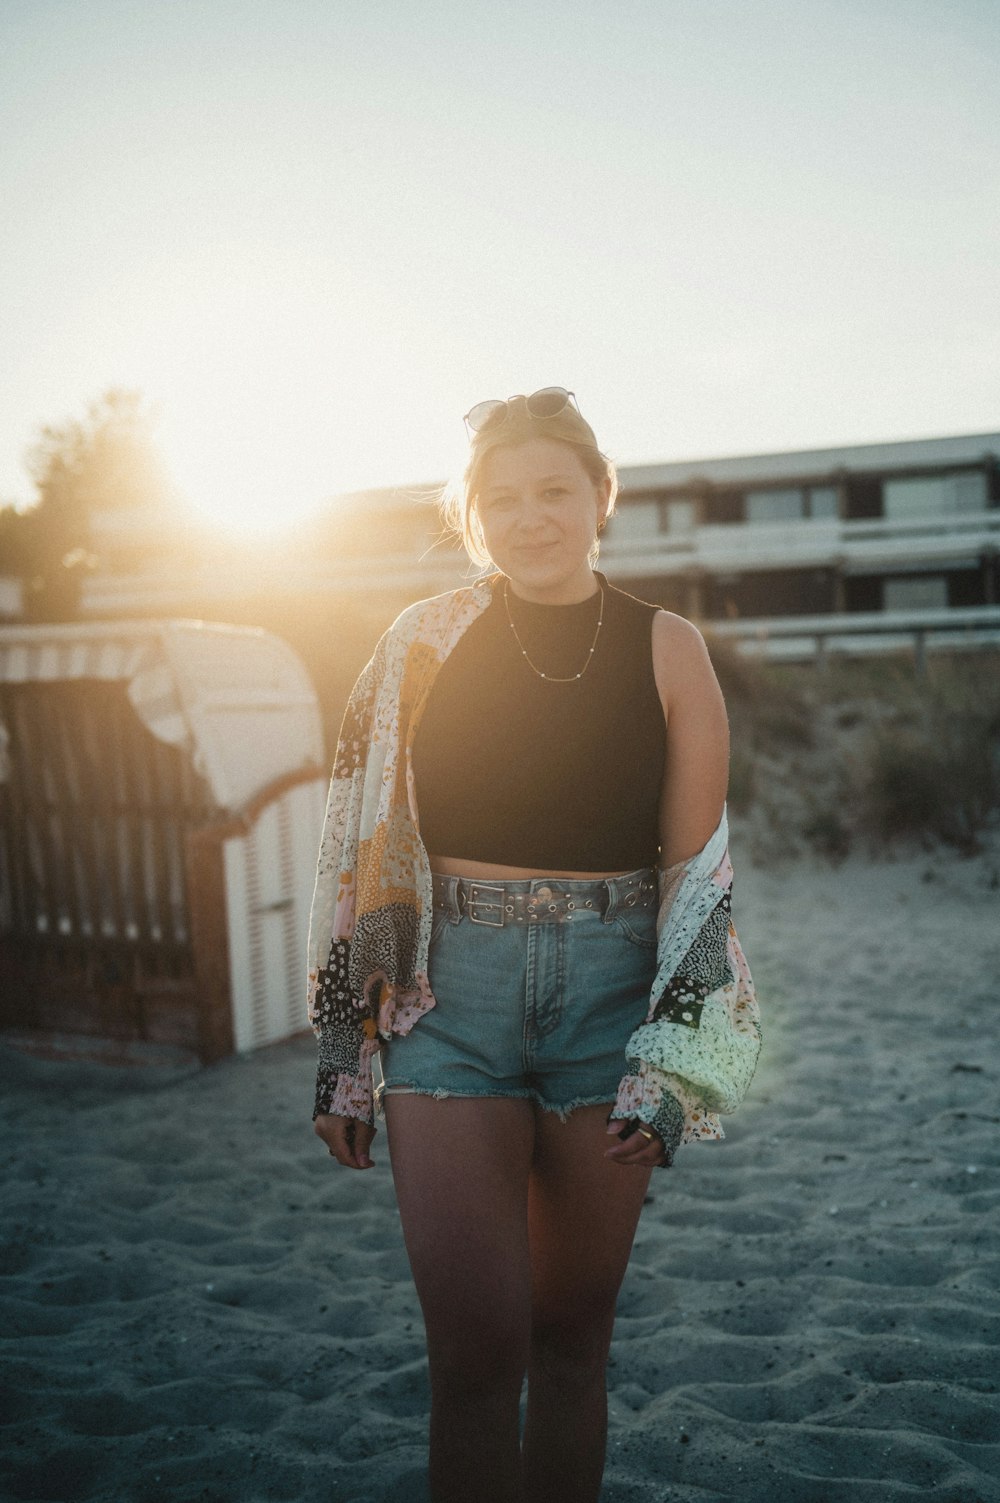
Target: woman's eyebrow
point(493, 490)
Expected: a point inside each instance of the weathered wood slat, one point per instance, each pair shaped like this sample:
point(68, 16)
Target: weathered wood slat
point(206, 883)
point(41, 869)
point(71, 793)
point(12, 841)
point(102, 733)
point(42, 731)
point(135, 794)
point(172, 821)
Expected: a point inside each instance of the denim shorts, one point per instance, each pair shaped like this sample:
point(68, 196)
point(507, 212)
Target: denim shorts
point(538, 985)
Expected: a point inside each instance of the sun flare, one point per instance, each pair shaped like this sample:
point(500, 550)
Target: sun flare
point(228, 491)
point(272, 394)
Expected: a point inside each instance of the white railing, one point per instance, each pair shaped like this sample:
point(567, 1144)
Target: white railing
point(738, 546)
point(178, 591)
point(804, 638)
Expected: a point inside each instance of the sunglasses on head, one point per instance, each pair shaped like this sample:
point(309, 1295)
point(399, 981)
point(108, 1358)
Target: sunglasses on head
point(548, 402)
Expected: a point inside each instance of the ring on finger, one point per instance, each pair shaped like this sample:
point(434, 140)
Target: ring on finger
point(645, 1133)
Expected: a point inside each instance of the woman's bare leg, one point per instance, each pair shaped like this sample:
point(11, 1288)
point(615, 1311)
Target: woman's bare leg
point(583, 1212)
point(461, 1170)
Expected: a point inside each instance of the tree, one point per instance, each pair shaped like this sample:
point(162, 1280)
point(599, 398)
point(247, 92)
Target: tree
point(106, 462)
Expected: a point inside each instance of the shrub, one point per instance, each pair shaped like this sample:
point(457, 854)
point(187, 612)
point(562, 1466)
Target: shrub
point(933, 767)
point(768, 704)
point(827, 833)
point(742, 778)
point(906, 790)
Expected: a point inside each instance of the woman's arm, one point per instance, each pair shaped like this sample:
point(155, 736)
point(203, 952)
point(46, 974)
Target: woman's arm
point(696, 772)
point(695, 778)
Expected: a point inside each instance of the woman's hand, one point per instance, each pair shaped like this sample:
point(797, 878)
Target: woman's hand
point(637, 1144)
point(347, 1139)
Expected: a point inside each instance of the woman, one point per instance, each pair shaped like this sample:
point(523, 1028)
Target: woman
point(548, 1029)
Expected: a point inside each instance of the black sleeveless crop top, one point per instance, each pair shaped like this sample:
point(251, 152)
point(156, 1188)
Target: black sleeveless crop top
point(515, 770)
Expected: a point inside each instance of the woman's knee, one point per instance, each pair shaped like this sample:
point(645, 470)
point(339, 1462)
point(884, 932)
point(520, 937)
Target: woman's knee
point(476, 1363)
point(479, 1344)
point(572, 1347)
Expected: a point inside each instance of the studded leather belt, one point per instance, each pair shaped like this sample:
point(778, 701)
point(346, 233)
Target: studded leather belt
point(533, 901)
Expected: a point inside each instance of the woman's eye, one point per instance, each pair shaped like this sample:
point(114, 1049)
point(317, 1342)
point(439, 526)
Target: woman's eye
point(554, 492)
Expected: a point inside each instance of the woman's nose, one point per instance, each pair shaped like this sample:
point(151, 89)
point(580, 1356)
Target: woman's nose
point(528, 517)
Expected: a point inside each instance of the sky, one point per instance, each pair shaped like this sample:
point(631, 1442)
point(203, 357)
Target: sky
point(313, 233)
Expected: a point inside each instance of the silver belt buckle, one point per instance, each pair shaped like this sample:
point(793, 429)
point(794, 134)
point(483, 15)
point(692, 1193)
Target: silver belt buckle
point(475, 888)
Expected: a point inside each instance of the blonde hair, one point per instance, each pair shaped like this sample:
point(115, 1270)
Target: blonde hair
point(458, 499)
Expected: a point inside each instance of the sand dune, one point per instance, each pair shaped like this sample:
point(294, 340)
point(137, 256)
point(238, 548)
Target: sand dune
point(199, 1306)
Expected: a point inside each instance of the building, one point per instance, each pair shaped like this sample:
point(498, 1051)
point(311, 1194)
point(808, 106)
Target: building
point(863, 547)
point(875, 527)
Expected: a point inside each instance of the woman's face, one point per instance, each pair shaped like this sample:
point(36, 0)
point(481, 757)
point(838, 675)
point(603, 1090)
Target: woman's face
point(539, 511)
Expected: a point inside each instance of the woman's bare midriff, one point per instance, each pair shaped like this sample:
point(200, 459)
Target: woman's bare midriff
point(450, 866)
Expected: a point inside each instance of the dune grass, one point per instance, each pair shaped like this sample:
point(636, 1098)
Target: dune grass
point(864, 749)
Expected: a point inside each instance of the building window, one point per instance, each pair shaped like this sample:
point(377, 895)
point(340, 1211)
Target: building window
point(679, 515)
point(823, 503)
point(775, 506)
point(770, 592)
point(792, 504)
point(935, 495)
point(633, 523)
point(919, 592)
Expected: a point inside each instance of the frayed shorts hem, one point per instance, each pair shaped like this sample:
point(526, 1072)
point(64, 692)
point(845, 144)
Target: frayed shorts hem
point(562, 1111)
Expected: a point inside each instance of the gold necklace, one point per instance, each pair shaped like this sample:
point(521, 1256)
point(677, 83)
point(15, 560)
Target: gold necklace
point(551, 677)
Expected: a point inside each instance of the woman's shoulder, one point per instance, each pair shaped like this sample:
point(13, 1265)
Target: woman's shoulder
point(673, 633)
point(680, 654)
point(427, 618)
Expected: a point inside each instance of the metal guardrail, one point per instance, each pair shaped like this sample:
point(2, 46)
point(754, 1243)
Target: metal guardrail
point(816, 638)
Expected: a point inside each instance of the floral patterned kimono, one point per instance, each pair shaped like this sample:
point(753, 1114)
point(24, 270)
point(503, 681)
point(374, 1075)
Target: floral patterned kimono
point(689, 1061)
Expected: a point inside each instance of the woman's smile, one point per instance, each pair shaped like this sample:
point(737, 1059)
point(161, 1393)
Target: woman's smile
point(533, 548)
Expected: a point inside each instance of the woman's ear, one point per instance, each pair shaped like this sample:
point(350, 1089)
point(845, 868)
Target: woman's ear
point(603, 502)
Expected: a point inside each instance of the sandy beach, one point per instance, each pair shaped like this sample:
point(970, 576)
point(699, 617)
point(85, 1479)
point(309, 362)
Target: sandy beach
point(198, 1305)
